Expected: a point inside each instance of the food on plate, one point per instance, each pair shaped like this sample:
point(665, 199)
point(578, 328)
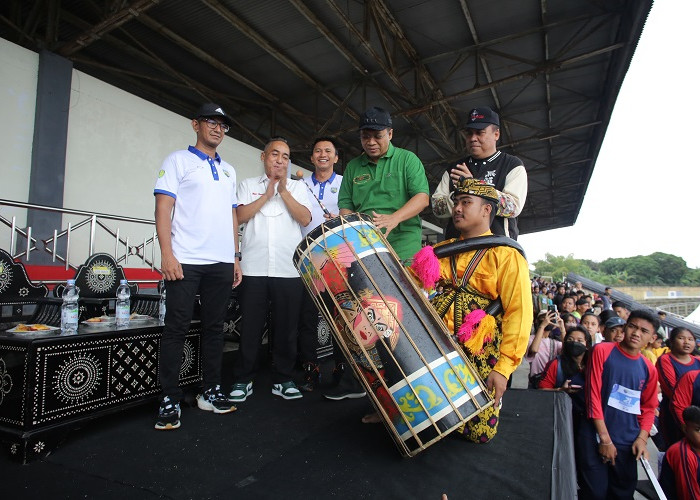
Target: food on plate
point(99, 319)
point(32, 328)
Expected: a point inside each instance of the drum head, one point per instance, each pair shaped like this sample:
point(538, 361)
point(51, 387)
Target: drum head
point(329, 224)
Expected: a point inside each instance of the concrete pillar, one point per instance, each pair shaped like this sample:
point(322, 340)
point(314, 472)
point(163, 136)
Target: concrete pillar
point(49, 148)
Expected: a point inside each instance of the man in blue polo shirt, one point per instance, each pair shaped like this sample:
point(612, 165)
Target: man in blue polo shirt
point(198, 236)
point(323, 184)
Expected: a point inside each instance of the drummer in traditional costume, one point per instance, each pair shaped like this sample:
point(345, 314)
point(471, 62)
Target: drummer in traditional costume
point(486, 302)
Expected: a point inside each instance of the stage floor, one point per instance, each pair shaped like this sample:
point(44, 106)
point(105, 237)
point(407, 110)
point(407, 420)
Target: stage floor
point(271, 448)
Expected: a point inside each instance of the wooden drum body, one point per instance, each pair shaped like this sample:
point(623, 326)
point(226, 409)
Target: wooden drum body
point(418, 379)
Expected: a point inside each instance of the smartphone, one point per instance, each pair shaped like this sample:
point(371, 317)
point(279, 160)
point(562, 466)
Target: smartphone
point(553, 308)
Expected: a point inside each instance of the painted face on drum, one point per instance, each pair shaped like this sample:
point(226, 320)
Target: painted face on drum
point(369, 326)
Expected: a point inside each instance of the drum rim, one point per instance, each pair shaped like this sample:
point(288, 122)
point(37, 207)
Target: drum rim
point(329, 225)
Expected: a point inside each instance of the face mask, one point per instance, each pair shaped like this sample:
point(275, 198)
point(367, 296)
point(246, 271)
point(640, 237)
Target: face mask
point(574, 349)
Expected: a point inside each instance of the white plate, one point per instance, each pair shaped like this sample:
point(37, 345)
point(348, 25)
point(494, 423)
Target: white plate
point(140, 317)
point(50, 329)
point(108, 321)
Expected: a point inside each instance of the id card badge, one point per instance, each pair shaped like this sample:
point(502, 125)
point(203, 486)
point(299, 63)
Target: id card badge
point(624, 399)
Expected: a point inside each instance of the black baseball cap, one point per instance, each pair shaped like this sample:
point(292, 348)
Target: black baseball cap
point(480, 118)
point(209, 109)
point(375, 118)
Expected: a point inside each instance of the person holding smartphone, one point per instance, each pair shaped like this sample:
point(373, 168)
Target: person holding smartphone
point(542, 347)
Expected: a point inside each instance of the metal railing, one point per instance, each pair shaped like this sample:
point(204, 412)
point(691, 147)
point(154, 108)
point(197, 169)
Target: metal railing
point(92, 222)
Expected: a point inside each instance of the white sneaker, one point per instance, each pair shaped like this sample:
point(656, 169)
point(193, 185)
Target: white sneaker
point(286, 390)
point(240, 392)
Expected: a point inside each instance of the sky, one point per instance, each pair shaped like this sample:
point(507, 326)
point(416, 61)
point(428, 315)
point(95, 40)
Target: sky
point(644, 195)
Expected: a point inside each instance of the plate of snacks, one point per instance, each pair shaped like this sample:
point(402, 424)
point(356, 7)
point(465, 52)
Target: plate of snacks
point(135, 318)
point(33, 328)
point(100, 321)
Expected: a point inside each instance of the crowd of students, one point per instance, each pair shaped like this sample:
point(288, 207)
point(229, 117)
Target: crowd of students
point(629, 379)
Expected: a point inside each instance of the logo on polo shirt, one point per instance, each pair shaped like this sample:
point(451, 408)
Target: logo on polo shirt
point(161, 173)
point(334, 190)
point(361, 179)
point(226, 173)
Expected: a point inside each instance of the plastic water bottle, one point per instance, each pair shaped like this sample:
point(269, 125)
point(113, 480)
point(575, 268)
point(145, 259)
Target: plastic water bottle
point(69, 308)
point(161, 304)
point(123, 303)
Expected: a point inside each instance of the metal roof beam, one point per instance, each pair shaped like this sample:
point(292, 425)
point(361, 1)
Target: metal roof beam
point(105, 26)
point(278, 54)
point(390, 73)
point(552, 66)
point(485, 47)
point(482, 61)
point(350, 57)
point(394, 27)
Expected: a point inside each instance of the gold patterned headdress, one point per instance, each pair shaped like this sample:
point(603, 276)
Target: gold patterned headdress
point(476, 187)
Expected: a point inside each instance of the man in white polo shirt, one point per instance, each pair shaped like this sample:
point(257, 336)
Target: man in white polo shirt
point(324, 183)
point(274, 209)
point(198, 235)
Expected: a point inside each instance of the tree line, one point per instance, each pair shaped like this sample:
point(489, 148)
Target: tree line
point(657, 268)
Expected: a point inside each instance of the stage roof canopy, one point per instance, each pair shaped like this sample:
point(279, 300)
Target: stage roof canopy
point(303, 68)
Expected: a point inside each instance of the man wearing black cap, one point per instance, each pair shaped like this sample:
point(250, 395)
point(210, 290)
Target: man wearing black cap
point(386, 182)
point(504, 171)
point(198, 235)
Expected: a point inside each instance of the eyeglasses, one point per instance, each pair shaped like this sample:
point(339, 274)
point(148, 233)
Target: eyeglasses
point(212, 124)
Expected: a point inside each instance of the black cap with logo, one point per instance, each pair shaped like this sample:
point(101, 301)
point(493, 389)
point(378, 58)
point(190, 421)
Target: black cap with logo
point(210, 109)
point(375, 118)
point(482, 117)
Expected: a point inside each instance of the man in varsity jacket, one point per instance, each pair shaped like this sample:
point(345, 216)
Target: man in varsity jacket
point(485, 162)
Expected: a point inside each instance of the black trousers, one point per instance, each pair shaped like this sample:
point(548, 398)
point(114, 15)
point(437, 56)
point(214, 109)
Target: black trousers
point(284, 294)
point(213, 282)
point(308, 329)
point(599, 481)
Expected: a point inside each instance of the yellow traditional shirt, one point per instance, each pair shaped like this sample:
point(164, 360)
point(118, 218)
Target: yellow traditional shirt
point(503, 273)
point(648, 352)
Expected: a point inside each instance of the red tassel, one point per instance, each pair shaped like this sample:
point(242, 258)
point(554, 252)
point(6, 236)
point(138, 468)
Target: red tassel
point(427, 267)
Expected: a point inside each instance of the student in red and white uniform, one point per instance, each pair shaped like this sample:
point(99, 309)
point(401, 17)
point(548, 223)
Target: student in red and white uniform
point(680, 471)
point(687, 393)
point(621, 399)
point(671, 367)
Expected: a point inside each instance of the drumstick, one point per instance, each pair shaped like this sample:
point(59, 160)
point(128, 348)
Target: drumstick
point(325, 210)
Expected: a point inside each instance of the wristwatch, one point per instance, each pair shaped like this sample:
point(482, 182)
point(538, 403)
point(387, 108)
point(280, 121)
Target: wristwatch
point(238, 254)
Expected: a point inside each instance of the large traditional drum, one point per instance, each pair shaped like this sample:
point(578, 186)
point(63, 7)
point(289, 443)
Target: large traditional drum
point(420, 383)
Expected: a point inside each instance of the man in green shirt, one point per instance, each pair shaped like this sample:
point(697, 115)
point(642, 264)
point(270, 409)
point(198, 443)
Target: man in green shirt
point(386, 182)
